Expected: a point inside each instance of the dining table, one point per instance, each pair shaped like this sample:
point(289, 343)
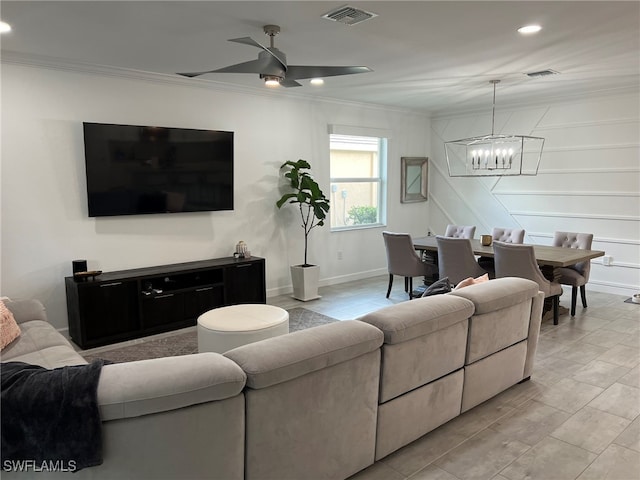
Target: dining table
point(548, 258)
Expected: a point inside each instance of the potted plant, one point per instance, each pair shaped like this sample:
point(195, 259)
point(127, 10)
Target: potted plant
point(313, 206)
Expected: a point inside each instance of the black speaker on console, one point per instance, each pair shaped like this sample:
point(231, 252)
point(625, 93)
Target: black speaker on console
point(79, 266)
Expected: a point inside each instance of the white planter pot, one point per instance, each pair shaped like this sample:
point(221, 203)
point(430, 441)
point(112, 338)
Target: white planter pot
point(305, 282)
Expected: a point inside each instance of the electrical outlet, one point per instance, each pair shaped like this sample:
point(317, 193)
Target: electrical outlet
point(339, 254)
point(607, 260)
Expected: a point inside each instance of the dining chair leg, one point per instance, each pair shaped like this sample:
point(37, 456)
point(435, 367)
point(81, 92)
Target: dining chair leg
point(574, 297)
point(583, 295)
point(390, 284)
point(406, 284)
point(410, 288)
point(556, 302)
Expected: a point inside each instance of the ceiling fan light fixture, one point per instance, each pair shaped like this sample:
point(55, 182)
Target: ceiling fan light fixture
point(4, 27)
point(317, 81)
point(271, 81)
point(529, 29)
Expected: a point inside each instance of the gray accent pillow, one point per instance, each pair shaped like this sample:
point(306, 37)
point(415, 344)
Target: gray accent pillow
point(436, 288)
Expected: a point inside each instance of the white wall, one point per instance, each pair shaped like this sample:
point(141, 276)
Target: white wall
point(589, 180)
point(44, 220)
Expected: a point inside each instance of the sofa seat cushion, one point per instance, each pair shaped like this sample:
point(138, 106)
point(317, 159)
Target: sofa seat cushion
point(279, 359)
point(51, 357)
point(491, 375)
point(422, 316)
point(498, 294)
point(37, 335)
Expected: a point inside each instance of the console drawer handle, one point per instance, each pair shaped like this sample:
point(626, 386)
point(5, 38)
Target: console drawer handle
point(113, 284)
point(164, 296)
point(203, 289)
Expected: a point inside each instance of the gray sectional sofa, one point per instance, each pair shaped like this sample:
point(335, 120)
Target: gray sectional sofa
point(319, 403)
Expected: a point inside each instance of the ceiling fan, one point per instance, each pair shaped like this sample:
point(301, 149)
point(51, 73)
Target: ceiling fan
point(272, 66)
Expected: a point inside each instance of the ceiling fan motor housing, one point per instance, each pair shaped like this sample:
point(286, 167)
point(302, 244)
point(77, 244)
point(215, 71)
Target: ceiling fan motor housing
point(273, 66)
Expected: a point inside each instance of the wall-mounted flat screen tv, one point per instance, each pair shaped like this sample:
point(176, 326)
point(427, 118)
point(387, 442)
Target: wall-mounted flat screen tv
point(141, 170)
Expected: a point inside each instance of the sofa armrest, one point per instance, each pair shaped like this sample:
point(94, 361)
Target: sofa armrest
point(26, 310)
point(144, 387)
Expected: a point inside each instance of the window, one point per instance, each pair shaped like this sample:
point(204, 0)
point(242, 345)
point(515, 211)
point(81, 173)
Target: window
point(358, 171)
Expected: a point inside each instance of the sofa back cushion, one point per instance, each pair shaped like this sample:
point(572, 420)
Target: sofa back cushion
point(502, 314)
point(320, 385)
point(425, 339)
point(279, 359)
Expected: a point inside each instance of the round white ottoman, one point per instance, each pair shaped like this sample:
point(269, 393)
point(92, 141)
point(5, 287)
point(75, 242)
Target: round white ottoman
point(224, 328)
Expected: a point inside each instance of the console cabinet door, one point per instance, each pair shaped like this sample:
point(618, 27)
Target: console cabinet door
point(163, 309)
point(202, 300)
point(245, 283)
point(108, 310)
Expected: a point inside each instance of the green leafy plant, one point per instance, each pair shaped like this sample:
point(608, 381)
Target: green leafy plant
point(363, 214)
point(305, 192)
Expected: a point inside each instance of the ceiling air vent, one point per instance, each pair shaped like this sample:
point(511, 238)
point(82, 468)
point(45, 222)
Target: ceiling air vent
point(542, 73)
point(349, 15)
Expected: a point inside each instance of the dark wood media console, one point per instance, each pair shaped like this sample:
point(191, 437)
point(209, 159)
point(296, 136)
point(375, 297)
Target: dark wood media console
point(117, 306)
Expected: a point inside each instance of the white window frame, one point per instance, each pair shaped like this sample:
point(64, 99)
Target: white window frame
point(380, 180)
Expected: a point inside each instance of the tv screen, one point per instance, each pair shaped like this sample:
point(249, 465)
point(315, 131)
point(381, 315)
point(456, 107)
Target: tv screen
point(140, 170)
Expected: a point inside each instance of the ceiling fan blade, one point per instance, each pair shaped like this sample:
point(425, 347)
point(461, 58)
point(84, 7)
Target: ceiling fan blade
point(297, 72)
point(253, 43)
point(252, 66)
point(289, 83)
point(264, 65)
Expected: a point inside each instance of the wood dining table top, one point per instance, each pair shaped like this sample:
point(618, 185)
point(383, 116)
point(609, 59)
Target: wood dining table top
point(545, 255)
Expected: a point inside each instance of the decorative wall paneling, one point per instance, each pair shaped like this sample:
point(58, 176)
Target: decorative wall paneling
point(588, 181)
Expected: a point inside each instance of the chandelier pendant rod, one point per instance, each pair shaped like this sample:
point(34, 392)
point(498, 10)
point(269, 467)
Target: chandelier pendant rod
point(493, 110)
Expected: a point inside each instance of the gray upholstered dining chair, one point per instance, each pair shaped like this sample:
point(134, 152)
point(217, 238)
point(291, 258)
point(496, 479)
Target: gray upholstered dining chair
point(460, 231)
point(508, 235)
point(456, 259)
point(403, 260)
point(576, 275)
point(499, 234)
point(512, 260)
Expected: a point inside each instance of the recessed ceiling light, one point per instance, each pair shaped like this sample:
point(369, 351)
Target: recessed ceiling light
point(317, 81)
point(4, 27)
point(528, 29)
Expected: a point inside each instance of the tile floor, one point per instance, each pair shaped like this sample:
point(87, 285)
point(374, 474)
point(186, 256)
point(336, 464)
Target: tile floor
point(577, 418)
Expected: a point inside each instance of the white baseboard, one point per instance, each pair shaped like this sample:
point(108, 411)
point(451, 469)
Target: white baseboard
point(325, 282)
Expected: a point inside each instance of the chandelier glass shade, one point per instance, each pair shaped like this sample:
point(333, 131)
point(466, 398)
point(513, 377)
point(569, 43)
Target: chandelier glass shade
point(494, 155)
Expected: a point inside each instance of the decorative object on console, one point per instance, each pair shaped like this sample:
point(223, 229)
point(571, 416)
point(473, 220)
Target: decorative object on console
point(313, 206)
point(79, 266)
point(242, 251)
point(494, 155)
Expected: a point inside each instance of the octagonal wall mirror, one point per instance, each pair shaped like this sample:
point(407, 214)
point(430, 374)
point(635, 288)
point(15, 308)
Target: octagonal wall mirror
point(414, 179)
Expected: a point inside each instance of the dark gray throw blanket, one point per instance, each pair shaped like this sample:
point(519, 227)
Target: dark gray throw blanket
point(50, 415)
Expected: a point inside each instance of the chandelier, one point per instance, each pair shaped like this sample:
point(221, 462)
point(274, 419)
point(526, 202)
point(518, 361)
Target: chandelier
point(494, 155)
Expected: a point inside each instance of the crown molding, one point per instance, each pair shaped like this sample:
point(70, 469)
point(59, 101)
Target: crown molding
point(61, 64)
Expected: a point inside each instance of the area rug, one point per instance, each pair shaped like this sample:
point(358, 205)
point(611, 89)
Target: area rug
point(187, 343)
